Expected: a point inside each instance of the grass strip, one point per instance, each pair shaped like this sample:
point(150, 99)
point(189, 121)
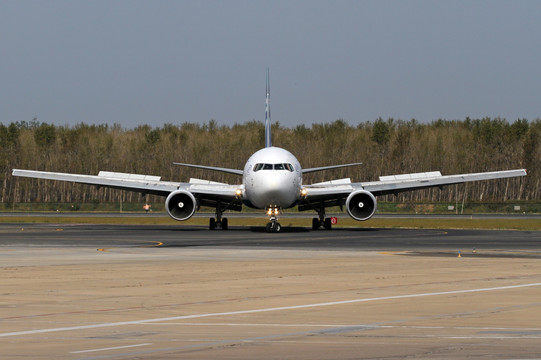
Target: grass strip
point(400, 223)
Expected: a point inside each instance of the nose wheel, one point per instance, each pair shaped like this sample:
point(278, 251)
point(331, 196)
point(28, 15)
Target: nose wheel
point(273, 225)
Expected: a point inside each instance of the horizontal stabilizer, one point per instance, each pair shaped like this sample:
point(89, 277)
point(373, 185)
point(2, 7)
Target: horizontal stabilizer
point(225, 170)
point(304, 171)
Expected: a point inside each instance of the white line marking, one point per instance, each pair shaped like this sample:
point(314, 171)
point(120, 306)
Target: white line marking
point(110, 348)
point(282, 308)
point(346, 325)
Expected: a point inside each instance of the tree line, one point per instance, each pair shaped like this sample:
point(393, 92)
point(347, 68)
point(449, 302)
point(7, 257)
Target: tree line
point(385, 147)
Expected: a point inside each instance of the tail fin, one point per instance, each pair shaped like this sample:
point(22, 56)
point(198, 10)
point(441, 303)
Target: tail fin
point(267, 115)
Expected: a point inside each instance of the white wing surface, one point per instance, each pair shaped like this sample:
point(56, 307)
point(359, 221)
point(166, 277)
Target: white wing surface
point(335, 193)
point(399, 183)
point(141, 183)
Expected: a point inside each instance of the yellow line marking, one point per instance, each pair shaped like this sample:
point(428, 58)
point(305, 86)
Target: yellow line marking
point(155, 244)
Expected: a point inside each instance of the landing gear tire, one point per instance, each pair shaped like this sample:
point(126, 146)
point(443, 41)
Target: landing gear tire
point(273, 227)
point(214, 224)
point(328, 224)
point(321, 224)
point(315, 224)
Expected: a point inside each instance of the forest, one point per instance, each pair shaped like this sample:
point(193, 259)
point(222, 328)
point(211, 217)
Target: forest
point(385, 147)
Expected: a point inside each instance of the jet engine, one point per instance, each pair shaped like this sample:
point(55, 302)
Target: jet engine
point(361, 205)
point(180, 205)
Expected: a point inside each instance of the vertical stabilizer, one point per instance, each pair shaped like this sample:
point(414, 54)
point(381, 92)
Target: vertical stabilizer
point(267, 115)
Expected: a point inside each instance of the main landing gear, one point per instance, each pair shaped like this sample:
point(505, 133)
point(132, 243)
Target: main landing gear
point(218, 222)
point(273, 225)
point(322, 222)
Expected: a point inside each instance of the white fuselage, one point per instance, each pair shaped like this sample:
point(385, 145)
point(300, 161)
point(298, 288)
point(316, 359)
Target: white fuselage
point(272, 178)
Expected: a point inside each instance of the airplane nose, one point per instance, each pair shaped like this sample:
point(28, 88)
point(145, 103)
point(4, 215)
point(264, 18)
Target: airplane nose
point(274, 189)
point(274, 184)
point(279, 190)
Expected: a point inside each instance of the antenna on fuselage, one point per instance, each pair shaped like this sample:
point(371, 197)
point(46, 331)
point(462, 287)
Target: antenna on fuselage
point(267, 114)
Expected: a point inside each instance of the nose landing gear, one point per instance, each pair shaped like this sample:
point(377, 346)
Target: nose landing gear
point(273, 225)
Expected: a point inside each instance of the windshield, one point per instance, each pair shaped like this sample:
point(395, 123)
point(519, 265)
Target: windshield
point(282, 166)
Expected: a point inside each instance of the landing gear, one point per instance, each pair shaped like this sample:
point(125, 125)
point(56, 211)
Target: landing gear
point(273, 225)
point(225, 225)
point(328, 224)
point(218, 222)
point(315, 223)
point(322, 222)
point(318, 224)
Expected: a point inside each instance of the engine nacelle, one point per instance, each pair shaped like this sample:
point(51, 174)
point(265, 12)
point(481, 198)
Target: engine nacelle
point(361, 205)
point(180, 205)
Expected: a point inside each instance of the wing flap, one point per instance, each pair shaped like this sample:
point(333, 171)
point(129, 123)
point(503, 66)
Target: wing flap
point(414, 176)
point(119, 175)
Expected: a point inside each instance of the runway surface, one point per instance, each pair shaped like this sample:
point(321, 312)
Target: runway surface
point(170, 292)
point(256, 237)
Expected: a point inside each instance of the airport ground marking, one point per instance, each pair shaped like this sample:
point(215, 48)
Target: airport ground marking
point(110, 348)
point(263, 310)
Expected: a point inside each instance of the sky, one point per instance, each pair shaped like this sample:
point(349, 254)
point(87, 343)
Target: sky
point(169, 62)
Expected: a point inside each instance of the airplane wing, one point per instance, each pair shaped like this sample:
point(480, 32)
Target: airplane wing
point(395, 184)
point(335, 193)
point(207, 192)
point(131, 182)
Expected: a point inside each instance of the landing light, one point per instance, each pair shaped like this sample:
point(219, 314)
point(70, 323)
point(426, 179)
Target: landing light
point(238, 193)
point(304, 192)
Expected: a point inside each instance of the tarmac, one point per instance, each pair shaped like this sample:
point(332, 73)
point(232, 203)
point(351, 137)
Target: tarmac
point(178, 292)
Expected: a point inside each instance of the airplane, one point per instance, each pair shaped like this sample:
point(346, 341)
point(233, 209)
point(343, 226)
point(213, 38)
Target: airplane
point(271, 180)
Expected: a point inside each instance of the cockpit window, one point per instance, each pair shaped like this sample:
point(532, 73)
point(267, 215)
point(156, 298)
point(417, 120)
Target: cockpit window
point(261, 166)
